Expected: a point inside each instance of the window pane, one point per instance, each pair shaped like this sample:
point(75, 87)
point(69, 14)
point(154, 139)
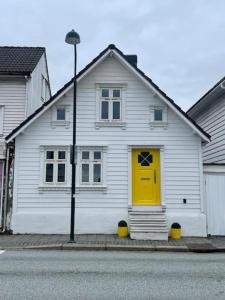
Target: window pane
point(50, 154)
point(61, 114)
point(85, 155)
point(105, 110)
point(158, 115)
point(116, 110)
point(49, 173)
point(97, 155)
point(105, 93)
point(85, 172)
point(97, 172)
point(116, 93)
point(61, 154)
point(61, 172)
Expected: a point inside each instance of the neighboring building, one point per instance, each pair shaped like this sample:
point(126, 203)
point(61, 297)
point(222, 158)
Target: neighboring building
point(209, 113)
point(139, 157)
point(24, 86)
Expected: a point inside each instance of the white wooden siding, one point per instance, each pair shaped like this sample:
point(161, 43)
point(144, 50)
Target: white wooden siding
point(181, 172)
point(35, 86)
point(212, 120)
point(12, 97)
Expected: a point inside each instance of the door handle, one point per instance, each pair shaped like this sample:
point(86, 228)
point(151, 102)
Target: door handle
point(154, 176)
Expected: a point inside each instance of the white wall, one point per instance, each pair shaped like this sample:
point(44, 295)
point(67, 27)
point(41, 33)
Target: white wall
point(34, 86)
point(12, 97)
point(212, 120)
point(99, 212)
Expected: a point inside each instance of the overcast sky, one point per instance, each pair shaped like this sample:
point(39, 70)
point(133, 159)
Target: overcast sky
point(180, 44)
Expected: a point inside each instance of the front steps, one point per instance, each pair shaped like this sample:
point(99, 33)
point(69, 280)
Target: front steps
point(146, 224)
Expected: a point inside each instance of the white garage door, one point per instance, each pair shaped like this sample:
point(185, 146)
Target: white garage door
point(215, 196)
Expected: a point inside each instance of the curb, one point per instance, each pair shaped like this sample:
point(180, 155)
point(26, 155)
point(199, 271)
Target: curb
point(117, 247)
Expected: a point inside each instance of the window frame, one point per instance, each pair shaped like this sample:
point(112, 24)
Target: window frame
point(91, 185)
point(55, 122)
point(44, 87)
point(55, 161)
point(110, 121)
point(91, 162)
point(158, 123)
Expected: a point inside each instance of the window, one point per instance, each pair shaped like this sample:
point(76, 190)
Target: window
point(55, 166)
point(91, 167)
point(158, 116)
point(44, 88)
point(1, 119)
point(110, 104)
point(60, 114)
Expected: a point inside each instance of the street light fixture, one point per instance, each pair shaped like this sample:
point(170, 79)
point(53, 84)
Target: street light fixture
point(73, 38)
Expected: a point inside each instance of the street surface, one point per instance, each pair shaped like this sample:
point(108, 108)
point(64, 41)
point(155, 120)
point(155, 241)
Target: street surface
point(111, 275)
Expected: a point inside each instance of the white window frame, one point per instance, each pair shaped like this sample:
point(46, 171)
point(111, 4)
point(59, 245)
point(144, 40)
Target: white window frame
point(55, 185)
point(91, 185)
point(1, 120)
point(65, 123)
point(161, 123)
point(110, 122)
point(44, 87)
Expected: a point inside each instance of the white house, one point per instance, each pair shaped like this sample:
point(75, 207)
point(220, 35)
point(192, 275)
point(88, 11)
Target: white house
point(24, 86)
point(209, 112)
point(139, 157)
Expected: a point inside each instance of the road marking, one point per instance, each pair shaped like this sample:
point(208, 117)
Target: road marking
point(2, 251)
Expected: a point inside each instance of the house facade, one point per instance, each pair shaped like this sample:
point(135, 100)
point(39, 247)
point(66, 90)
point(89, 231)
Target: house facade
point(24, 86)
point(209, 113)
point(138, 158)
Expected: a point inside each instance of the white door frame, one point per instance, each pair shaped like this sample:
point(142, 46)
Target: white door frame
point(162, 175)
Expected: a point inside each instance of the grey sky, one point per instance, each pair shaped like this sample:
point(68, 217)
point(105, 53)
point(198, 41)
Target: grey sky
point(180, 44)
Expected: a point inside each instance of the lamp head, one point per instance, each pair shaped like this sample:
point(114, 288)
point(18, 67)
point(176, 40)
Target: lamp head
point(72, 38)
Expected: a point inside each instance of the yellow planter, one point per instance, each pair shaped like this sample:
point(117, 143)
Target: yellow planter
point(175, 233)
point(122, 231)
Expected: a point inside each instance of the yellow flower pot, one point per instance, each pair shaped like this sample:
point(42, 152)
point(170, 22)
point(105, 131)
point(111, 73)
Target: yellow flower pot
point(175, 233)
point(122, 231)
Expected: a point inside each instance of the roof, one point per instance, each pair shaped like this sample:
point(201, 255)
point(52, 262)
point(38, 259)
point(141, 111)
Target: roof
point(208, 93)
point(111, 47)
point(19, 60)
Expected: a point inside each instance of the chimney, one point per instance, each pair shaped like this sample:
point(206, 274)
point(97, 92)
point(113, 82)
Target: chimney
point(132, 59)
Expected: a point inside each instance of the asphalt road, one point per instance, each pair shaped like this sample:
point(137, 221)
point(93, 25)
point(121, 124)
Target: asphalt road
point(111, 275)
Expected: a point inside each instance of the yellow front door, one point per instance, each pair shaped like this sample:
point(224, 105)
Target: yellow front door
point(145, 177)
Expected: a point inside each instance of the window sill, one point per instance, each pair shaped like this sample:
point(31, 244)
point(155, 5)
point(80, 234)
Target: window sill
point(66, 189)
point(110, 124)
point(91, 188)
point(158, 124)
point(54, 124)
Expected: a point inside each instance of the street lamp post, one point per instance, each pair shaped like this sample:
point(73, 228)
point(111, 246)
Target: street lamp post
point(73, 38)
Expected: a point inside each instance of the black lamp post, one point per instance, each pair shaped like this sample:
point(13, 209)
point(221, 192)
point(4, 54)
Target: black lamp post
point(73, 38)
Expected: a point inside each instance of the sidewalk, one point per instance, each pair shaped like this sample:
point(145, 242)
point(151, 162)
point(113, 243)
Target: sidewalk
point(108, 242)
